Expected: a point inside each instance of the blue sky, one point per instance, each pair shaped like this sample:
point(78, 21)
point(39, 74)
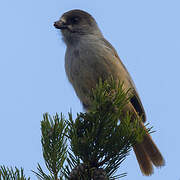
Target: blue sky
point(33, 81)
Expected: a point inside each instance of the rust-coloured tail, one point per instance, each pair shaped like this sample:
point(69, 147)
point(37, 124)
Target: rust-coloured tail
point(147, 154)
point(143, 160)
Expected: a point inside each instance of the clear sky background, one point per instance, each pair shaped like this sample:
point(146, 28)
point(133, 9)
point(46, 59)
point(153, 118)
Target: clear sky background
point(146, 35)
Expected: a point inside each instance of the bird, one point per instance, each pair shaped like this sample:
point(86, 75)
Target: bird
point(89, 57)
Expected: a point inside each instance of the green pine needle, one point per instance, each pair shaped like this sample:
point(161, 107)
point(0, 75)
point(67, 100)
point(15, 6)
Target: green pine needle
point(54, 146)
point(99, 138)
point(12, 174)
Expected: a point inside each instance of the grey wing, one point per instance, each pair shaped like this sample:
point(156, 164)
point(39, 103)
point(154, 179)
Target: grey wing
point(135, 100)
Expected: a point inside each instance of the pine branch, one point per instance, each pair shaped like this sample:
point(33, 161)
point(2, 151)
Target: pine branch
point(99, 138)
point(12, 174)
point(54, 146)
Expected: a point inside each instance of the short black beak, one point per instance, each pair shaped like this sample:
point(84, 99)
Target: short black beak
point(60, 25)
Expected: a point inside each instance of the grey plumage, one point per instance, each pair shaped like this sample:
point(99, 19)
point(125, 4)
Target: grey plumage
point(89, 56)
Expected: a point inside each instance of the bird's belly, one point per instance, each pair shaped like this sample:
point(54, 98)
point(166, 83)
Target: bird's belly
point(84, 74)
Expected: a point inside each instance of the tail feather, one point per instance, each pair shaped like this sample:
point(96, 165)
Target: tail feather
point(152, 151)
point(146, 152)
point(143, 160)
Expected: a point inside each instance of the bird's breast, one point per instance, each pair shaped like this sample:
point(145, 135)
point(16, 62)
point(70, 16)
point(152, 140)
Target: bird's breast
point(85, 65)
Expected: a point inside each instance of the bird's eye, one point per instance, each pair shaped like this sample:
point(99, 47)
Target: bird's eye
point(74, 20)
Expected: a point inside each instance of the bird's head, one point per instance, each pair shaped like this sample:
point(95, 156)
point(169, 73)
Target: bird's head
point(75, 23)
